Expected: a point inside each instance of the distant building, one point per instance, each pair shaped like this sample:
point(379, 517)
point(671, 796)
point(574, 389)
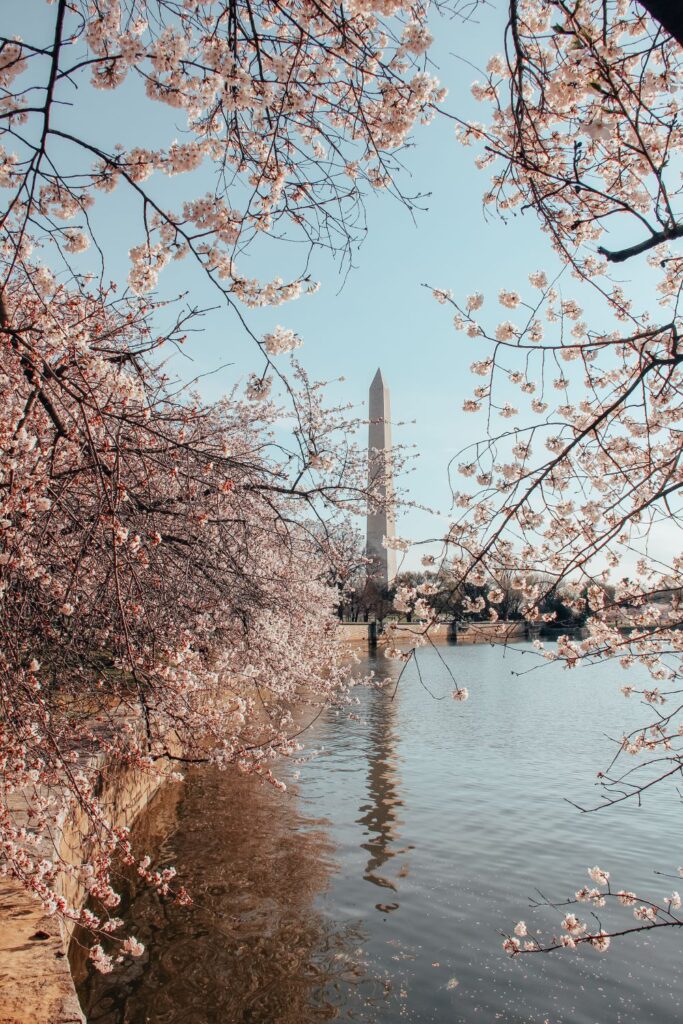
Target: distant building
point(380, 522)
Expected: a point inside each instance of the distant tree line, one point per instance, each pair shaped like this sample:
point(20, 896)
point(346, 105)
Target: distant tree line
point(363, 599)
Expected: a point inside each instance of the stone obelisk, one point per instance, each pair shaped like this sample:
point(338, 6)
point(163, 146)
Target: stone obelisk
point(380, 484)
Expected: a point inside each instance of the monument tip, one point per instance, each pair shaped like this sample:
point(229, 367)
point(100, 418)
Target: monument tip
point(378, 378)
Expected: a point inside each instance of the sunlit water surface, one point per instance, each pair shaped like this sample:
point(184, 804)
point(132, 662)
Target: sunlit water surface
point(376, 888)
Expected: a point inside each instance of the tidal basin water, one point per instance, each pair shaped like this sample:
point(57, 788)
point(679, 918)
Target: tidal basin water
point(375, 889)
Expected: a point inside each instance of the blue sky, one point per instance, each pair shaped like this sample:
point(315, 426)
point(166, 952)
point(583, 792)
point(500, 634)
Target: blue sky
point(382, 316)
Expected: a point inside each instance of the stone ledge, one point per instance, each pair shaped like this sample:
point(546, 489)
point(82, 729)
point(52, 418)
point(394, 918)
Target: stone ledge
point(36, 986)
point(35, 981)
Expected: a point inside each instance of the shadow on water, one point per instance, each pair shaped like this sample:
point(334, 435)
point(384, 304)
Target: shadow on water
point(252, 948)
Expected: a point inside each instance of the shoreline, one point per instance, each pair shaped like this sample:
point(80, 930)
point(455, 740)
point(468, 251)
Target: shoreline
point(36, 982)
point(37, 985)
point(456, 633)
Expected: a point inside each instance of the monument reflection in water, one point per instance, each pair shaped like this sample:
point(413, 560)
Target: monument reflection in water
point(380, 813)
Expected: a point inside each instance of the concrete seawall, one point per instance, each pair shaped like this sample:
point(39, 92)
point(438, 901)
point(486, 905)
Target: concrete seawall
point(36, 986)
point(358, 632)
point(442, 632)
point(491, 632)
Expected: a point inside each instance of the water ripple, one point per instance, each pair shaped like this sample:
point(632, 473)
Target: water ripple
point(375, 890)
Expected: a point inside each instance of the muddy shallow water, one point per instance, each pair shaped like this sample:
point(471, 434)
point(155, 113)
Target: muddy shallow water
point(375, 889)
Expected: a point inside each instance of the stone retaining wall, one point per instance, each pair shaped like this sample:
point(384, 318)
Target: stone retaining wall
point(36, 986)
point(442, 632)
point(490, 632)
point(356, 632)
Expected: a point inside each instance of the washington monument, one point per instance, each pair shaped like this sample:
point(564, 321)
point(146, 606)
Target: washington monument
point(380, 520)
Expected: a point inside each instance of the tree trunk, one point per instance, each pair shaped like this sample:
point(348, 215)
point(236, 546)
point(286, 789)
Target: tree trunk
point(669, 14)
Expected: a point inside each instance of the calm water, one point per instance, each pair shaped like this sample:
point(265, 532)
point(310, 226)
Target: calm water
point(375, 889)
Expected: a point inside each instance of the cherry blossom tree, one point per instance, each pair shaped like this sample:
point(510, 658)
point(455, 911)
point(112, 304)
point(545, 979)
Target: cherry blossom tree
point(289, 111)
point(168, 566)
point(579, 489)
point(165, 594)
